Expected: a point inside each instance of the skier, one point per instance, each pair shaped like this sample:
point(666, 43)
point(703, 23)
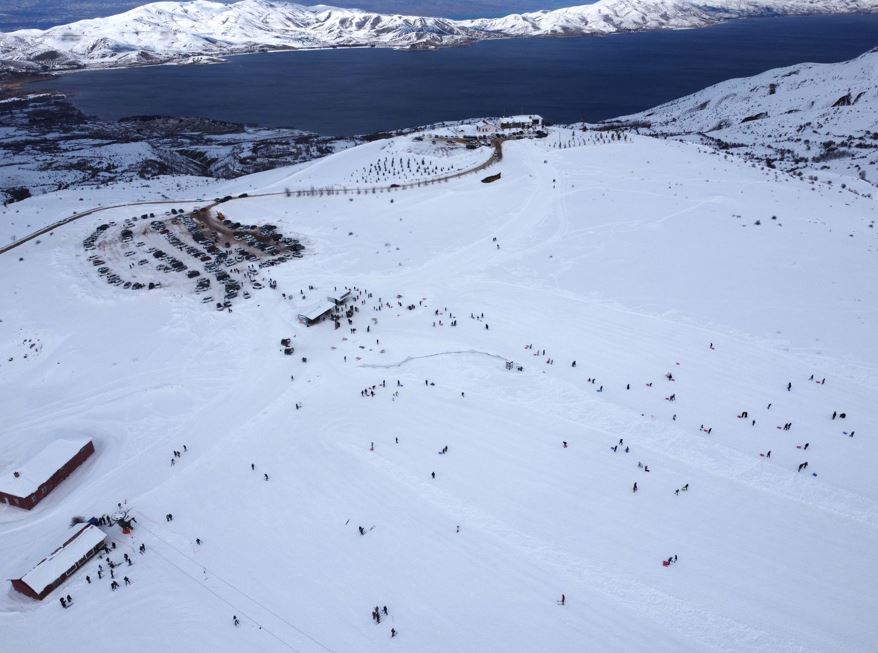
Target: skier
point(63, 603)
point(127, 580)
point(198, 541)
point(384, 610)
point(235, 620)
point(88, 579)
point(393, 632)
point(433, 474)
point(266, 476)
point(635, 487)
point(564, 443)
point(789, 386)
point(563, 599)
point(253, 466)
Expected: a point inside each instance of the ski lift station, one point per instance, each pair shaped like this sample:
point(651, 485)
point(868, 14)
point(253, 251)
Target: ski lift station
point(26, 485)
point(324, 309)
point(317, 313)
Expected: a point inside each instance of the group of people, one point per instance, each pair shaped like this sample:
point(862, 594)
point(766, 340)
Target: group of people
point(178, 454)
point(376, 617)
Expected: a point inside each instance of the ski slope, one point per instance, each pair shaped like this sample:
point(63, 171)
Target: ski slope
point(630, 257)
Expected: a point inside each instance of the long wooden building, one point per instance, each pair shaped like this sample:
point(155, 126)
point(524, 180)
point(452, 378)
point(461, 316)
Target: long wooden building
point(28, 484)
point(62, 563)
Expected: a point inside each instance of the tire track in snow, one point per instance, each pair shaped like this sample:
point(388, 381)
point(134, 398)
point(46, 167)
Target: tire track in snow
point(408, 359)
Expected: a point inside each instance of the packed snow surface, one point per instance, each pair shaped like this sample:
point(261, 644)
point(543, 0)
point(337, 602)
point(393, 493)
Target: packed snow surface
point(665, 270)
point(200, 30)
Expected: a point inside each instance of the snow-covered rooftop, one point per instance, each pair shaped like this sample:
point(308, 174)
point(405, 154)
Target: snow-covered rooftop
point(40, 468)
point(317, 311)
point(521, 118)
point(63, 558)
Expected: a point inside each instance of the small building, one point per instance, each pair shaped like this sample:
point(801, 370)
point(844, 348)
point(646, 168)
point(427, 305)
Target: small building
point(522, 122)
point(485, 127)
point(29, 484)
point(339, 298)
point(316, 314)
point(62, 563)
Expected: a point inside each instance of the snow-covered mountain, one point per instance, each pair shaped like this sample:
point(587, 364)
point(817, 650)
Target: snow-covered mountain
point(683, 446)
point(802, 119)
point(655, 265)
point(178, 31)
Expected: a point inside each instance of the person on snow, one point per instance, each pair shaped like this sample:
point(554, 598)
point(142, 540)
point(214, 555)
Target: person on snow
point(63, 603)
point(235, 620)
point(635, 487)
point(393, 632)
point(563, 599)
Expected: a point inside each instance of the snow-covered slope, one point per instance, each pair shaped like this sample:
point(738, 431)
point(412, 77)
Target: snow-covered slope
point(187, 31)
point(664, 270)
point(804, 118)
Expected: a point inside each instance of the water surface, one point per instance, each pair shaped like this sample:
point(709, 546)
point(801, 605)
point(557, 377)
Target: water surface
point(356, 91)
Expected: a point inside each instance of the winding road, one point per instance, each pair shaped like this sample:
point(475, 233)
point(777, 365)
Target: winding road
point(496, 156)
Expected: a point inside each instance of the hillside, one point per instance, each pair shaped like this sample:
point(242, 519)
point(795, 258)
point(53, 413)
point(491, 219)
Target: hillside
point(806, 119)
point(201, 30)
point(687, 288)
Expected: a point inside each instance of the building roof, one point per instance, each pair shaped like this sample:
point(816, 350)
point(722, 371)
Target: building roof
point(521, 118)
point(339, 297)
point(317, 311)
point(40, 468)
point(63, 558)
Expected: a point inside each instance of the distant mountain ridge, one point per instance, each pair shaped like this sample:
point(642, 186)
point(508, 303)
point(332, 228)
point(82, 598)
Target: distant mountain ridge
point(200, 30)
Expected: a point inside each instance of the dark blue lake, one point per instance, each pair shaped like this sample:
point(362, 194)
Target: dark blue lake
point(342, 92)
